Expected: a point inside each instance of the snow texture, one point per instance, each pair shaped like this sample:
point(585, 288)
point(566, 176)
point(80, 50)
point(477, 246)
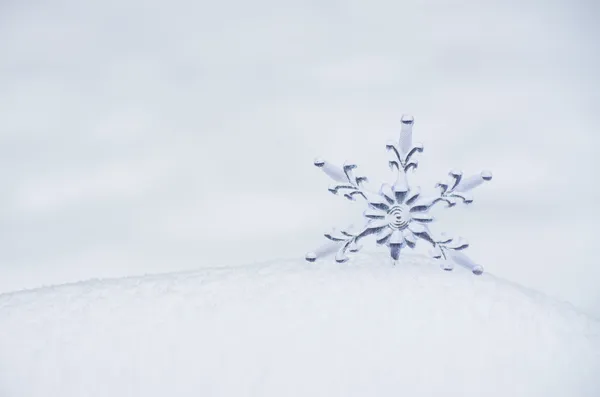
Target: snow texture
point(297, 329)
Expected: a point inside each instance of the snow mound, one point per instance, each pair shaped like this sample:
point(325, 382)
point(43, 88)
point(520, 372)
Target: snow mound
point(366, 328)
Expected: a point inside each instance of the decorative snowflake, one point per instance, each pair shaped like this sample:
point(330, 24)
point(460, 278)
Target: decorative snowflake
point(398, 215)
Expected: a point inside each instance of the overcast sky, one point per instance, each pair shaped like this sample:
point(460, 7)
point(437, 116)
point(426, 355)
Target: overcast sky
point(143, 136)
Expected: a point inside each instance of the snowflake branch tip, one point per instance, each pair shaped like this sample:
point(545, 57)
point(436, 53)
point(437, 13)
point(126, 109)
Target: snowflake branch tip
point(461, 259)
point(407, 119)
point(406, 133)
point(323, 251)
point(334, 172)
point(473, 181)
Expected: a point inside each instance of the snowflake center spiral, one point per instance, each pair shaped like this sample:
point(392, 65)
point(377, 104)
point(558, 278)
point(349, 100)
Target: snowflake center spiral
point(398, 217)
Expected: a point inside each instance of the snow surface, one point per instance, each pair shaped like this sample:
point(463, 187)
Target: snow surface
point(291, 328)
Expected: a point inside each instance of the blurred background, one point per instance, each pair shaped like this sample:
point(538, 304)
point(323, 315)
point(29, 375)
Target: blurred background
point(143, 136)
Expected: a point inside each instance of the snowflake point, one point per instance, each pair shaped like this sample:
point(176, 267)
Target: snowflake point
point(311, 257)
point(407, 119)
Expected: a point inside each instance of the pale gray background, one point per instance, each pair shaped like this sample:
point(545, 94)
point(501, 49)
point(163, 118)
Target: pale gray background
point(143, 136)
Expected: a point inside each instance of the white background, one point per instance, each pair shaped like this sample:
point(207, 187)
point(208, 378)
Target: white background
point(142, 136)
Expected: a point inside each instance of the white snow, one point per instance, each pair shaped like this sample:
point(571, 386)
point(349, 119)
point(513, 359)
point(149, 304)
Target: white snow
point(292, 328)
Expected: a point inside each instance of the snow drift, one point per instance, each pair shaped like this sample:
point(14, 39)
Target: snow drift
point(292, 328)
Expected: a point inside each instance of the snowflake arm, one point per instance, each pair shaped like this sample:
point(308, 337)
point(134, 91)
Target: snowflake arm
point(348, 184)
point(455, 190)
point(450, 251)
point(403, 154)
point(343, 241)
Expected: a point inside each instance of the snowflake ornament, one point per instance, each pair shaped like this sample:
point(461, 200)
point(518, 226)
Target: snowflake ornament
point(398, 215)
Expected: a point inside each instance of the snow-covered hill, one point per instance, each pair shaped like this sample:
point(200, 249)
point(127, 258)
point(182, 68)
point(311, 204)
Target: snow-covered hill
point(297, 329)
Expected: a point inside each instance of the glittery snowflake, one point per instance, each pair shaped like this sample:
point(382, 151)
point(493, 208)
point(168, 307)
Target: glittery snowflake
point(398, 215)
